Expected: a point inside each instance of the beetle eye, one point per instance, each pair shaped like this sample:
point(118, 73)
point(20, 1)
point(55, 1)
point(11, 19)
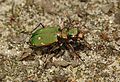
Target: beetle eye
point(59, 29)
point(81, 36)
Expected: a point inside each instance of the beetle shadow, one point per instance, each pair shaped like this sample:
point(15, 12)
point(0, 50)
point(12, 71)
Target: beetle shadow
point(46, 49)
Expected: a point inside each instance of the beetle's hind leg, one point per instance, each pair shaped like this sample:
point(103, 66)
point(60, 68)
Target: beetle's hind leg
point(40, 24)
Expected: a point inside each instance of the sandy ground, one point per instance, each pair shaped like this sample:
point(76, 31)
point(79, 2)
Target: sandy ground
point(98, 19)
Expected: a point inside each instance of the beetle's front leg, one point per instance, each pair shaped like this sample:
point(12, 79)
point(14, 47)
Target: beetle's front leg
point(73, 52)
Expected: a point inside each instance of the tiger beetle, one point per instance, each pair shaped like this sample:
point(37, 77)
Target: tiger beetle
point(54, 39)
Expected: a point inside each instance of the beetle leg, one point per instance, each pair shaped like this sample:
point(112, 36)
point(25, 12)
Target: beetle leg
point(84, 45)
point(54, 48)
point(75, 54)
point(72, 51)
point(40, 24)
point(48, 59)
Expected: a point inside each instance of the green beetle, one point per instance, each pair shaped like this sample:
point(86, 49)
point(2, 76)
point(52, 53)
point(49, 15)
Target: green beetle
point(49, 35)
point(54, 38)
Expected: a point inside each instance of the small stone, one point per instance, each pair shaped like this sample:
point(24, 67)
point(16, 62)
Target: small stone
point(117, 18)
point(46, 5)
point(62, 63)
point(74, 63)
point(26, 55)
point(106, 8)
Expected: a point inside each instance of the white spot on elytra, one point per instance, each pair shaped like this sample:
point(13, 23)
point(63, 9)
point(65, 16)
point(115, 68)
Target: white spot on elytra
point(39, 38)
point(42, 43)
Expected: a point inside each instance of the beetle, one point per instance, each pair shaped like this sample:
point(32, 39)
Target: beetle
point(53, 38)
